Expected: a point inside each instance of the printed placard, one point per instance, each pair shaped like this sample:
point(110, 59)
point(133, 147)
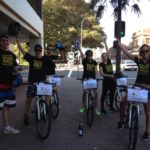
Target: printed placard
point(56, 80)
point(137, 95)
point(90, 84)
point(122, 81)
point(44, 89)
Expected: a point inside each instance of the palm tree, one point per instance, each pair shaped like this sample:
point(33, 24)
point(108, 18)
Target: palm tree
point(117, 5)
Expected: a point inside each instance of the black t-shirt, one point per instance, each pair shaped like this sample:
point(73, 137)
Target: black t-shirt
point(89, 68)
point(7, 64)
point(107, 68)
point(36, 73)
point(49, 67)
point(143, 74)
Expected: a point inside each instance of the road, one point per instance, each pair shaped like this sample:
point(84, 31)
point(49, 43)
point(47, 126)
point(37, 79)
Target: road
point(103, 135)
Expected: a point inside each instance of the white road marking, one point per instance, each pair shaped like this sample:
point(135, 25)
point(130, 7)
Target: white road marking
point(69, 74)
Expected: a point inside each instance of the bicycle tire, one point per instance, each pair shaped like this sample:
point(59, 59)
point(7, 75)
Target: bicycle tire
point(54, 106)
point(133, 129)
point(90, 110)
point(43, 120)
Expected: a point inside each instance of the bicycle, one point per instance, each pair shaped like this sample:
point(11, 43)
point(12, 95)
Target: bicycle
point(90, 85)
point(121, 90)
point(42, 111)
point(136, 96)
point(54, 99)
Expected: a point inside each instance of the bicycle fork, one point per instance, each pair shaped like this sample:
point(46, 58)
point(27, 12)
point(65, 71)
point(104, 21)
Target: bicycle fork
point(40, 108)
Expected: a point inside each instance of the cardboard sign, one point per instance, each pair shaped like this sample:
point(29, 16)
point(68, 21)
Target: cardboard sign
point(137, 95)
point(122, 81)
point(44, 89)
point(90, 84)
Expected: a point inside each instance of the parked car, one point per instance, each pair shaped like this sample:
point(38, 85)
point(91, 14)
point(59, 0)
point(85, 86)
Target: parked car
point(128, 64)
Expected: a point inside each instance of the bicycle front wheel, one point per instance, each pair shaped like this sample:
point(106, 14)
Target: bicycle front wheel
point(54, 105)
point(90, 109)
point(43, 120)
point(133, 129)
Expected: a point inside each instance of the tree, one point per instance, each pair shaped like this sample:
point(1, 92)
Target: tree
point(117, 5)
point(62, 19)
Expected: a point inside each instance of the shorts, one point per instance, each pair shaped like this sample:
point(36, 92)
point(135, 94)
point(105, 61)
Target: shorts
point(31, 91)
point(7, 98)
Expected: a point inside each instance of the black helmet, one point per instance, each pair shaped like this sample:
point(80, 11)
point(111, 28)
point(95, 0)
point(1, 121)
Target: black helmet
point(88, 52)
point(14, 28)
point(37, 46)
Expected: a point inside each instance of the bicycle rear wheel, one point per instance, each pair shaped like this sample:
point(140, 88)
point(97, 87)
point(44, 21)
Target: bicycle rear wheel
point(133, 129)
point(90, 110)
point(54, 105)
point(43, 120)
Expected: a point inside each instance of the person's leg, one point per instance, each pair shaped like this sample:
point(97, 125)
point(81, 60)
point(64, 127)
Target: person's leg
point(112, 89)
point(147, 115)
point(83, 100)
point(123, 105)
point(96, 104)
point(104, 93)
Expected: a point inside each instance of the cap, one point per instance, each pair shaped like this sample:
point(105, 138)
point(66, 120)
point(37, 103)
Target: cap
point(37, 46)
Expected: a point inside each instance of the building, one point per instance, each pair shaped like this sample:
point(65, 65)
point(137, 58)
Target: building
point(140, 37)
point(28, 13)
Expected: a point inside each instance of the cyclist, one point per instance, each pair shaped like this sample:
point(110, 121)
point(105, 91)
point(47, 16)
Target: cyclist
point(50, 67)
point(142, 79)
point(109, 84)
point(36, 74)
point(7, 96)
point(89, 71)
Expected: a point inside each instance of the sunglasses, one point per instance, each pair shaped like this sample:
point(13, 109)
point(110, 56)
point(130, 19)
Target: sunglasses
point(38, 50)
point(144, 51)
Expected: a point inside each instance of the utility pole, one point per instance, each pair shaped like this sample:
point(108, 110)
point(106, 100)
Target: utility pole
point(118, 54)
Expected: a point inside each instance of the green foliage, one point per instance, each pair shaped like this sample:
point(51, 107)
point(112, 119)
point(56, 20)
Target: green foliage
point(62, 22)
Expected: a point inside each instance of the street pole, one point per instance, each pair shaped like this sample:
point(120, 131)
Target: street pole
point(118, 54)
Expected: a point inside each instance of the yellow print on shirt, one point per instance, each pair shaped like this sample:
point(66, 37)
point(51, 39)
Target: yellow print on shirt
point(90, 67)
point(7, 60)
point(37, 64)
point(143, 69)
point(108, 68)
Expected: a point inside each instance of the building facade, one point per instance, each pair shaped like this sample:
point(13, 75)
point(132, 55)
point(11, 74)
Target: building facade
point(28, 14)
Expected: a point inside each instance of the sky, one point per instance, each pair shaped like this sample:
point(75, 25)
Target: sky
point(133, 22)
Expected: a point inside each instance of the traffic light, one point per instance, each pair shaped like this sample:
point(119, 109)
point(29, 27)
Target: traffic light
point(122, 32)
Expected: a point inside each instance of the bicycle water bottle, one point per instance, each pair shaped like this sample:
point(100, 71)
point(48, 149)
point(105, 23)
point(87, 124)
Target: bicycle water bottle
point(80, 129)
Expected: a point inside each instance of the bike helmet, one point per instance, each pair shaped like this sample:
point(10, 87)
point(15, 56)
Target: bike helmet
point(37, 46)
point(14, 28)
point(88, 52)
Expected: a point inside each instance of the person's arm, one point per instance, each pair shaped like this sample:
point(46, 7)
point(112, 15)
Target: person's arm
point(82, 55)
point(103, 74)
point(62, 58)
point(123, 47)
point(20, 47)
point(106, 46)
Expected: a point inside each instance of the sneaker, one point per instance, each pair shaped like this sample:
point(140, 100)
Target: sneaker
point(112, 110)
point(82, 109)
point(145, 136)
point(120, 125)
point(12, 130)
point(103, 111)
point(26, 120)
point(97, 112)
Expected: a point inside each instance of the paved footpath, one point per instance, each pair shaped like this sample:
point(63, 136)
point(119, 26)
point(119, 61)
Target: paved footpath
point(103, 135)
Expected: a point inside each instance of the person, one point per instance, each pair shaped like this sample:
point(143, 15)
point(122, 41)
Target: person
point(50, 67)
point(36, 74)
point(142, 79)
point(7, 96)
point(109, 84)
point(89, 71)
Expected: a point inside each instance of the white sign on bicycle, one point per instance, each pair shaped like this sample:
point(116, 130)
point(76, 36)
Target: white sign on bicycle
point(122, 81)
point(137, 95)
point(90, 84)
point(55, 80)
point(44, 89)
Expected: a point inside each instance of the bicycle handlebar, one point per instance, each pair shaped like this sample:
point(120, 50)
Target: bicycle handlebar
point(83, 79)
